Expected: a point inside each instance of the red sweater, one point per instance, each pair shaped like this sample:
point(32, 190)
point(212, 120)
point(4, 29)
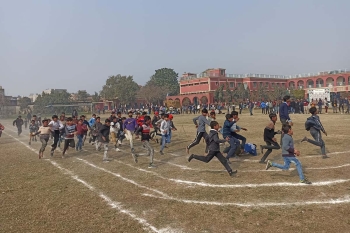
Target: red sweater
point(81, 129)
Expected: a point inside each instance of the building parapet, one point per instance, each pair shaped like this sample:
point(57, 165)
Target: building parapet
point(250, 75)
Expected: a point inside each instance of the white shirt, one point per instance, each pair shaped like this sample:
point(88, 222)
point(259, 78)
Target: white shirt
point(56, 125)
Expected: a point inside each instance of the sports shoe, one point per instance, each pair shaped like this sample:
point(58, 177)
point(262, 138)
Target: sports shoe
point(262, 162)
point(30, 143)
point(51, 153)
point(325, 157)
point(161, 152)
point(90, 140)
point(232, 173)
point(268, 164)
point(134, 157)
point(190, 158)
point(228, 161)
point(261, 149)
point(117, 149)
point(107, 160)
point(304, 139)
point(151, 165)
point(305, 181)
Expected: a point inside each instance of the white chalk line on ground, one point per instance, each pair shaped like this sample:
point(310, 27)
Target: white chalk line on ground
point(343, 200)
point(109, 201)
point(259, 204)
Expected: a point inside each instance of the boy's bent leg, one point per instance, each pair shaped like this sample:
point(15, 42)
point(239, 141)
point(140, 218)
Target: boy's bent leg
point(205, 159)
point(298, 166)
point(196, 141)
point(223, 161)
point(286, 164)
point(234, 143)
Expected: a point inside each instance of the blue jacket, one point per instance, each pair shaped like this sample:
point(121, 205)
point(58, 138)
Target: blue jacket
point(284, 114)
point(262, 105)
point(226, 128)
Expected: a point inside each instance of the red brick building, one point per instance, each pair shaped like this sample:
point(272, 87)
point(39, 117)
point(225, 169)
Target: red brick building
point(200, 88)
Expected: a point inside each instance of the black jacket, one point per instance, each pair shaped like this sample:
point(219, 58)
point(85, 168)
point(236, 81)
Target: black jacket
point(213, 140)
point(314, 122)
point(18, 122)
point(104, 132)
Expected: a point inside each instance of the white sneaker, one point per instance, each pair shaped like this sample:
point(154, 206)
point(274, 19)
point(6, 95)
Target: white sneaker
point(117, 149)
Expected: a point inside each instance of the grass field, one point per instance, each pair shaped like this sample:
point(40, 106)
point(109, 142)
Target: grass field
point(82, 194)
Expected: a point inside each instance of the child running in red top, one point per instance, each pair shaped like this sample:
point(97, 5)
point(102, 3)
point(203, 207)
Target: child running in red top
point(81, 131)
point(145, 137)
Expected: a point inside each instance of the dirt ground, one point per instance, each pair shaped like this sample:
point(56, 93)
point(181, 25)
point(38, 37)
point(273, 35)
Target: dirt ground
point(80, 193)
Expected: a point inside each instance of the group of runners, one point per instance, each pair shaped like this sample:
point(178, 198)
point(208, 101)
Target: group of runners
point(64, 130)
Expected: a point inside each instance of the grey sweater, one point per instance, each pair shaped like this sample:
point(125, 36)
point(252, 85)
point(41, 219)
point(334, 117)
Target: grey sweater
point(202, 121)
point(287, 146)
point(213, 140)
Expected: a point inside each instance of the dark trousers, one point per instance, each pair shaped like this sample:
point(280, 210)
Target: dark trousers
point(68, 143)
point(19, 130)
point(240, 137)
point(270, 145)
point(197, 140)
point(211, 155)
point(56, 137)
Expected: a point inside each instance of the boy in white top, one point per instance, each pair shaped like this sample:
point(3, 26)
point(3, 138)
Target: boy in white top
point(164, 129)
point(55, 126)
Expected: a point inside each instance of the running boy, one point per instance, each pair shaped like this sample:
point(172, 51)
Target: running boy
point(269, 138)
point(95, 131)
point(81, 132)
point(56, 126)
point(129, 127)
point(104, 139)
point(314, 125)
point(288, 154)
point(202, 121)
point(18, 123)
point(145, 137)
point(33, 128)
point(214, 149)
point(164, 129)
point(45, 132)
point(70, 131)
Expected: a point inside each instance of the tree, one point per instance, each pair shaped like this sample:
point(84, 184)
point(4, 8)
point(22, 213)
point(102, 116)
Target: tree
point(55, 98)
point(241, 93)
point(82, 95)
point(24, 102)
point(152, 93)
point(262, 93)
point(123, 88)
point(168, 79)
point(229, 93)
point(277, 93)
point(96, 97)
point(219, 94)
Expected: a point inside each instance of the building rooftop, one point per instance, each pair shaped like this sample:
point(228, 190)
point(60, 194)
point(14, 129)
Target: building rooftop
point(189, 76)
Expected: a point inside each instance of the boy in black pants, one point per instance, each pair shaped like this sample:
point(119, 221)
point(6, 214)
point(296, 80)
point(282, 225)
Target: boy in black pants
point(314, 125)
point(214, 149)
point(269, 138)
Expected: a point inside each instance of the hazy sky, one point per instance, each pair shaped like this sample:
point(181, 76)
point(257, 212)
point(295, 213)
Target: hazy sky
point(77, 44)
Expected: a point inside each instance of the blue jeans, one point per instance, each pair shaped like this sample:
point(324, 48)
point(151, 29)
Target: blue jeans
point(80, 142)
point(240, 137)
point(234, 143)
point(165, 138)
point(169, 137)
point(287, 161)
